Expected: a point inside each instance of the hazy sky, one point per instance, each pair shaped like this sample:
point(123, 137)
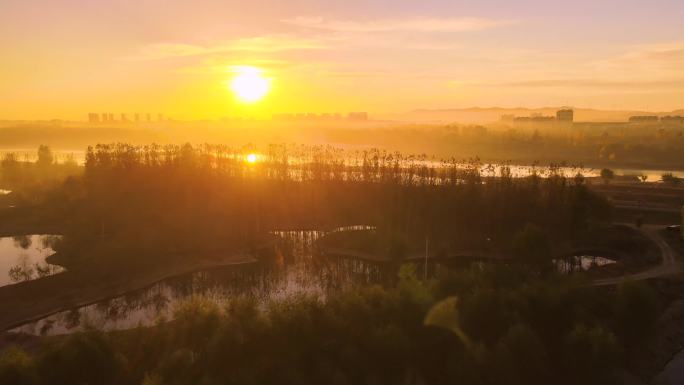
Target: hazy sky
point(65, 58)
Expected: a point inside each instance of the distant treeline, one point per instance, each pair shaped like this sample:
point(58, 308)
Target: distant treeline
point(151, 200)
point(593, 144)
point(30, 182)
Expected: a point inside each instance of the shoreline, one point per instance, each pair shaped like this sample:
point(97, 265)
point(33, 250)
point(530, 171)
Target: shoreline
point(19, 305)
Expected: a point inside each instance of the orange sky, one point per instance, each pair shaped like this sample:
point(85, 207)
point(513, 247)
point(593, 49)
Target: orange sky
point(62, 59)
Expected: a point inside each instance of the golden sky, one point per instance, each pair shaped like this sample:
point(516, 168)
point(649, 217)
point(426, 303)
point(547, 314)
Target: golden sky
point(62, 59)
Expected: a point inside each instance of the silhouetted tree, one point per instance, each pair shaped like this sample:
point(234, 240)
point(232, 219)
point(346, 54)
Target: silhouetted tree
point(607, 174)
point(670, 179)
point(636, 312)
point(45, 157)
point(591, 355)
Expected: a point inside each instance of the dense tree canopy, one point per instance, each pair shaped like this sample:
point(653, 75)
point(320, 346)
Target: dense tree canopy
point(522, 330)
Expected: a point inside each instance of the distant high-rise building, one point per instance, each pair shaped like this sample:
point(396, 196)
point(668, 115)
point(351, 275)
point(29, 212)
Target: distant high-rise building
point(93, 118)
point(160, 117)
point(110, 117)
point(137, 117)
point(104, 117)
point(565, 115)
point(149, 117)
point(124, 118)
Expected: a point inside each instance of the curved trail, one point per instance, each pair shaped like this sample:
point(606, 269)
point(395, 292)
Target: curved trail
point(669, 264)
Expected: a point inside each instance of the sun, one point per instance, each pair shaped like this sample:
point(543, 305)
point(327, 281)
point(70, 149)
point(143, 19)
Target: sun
point(251, 158)
point(248, 84)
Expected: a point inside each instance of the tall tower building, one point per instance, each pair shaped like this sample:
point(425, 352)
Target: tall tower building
point(566, 115)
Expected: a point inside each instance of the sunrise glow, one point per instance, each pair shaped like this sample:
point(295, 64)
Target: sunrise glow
point(249, 85)
point(251, 158)
point(350, 192)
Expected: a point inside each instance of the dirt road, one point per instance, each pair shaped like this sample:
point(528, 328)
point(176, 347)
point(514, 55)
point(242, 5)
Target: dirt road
point(669, 264)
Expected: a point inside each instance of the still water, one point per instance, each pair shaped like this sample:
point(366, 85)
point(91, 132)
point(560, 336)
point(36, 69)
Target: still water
point(579, 263)
point(294, 271)
point(22, 258)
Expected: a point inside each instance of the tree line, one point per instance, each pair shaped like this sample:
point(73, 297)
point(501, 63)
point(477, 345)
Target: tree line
point(154, 200)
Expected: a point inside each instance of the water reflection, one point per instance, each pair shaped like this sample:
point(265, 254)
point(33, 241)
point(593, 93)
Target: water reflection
point(22, 258)
point(579, 263)
point(295, 268)
point(292, 271)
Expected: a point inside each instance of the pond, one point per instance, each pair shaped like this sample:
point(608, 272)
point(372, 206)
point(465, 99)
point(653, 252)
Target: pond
point(294, 271)
point(22, 258)
point(579, 263)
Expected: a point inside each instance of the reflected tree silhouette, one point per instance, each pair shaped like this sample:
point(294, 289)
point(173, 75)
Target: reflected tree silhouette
point(303, 272)
point(23, 241)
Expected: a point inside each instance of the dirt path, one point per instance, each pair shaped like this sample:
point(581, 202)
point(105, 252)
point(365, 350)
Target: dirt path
point(669, 264)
